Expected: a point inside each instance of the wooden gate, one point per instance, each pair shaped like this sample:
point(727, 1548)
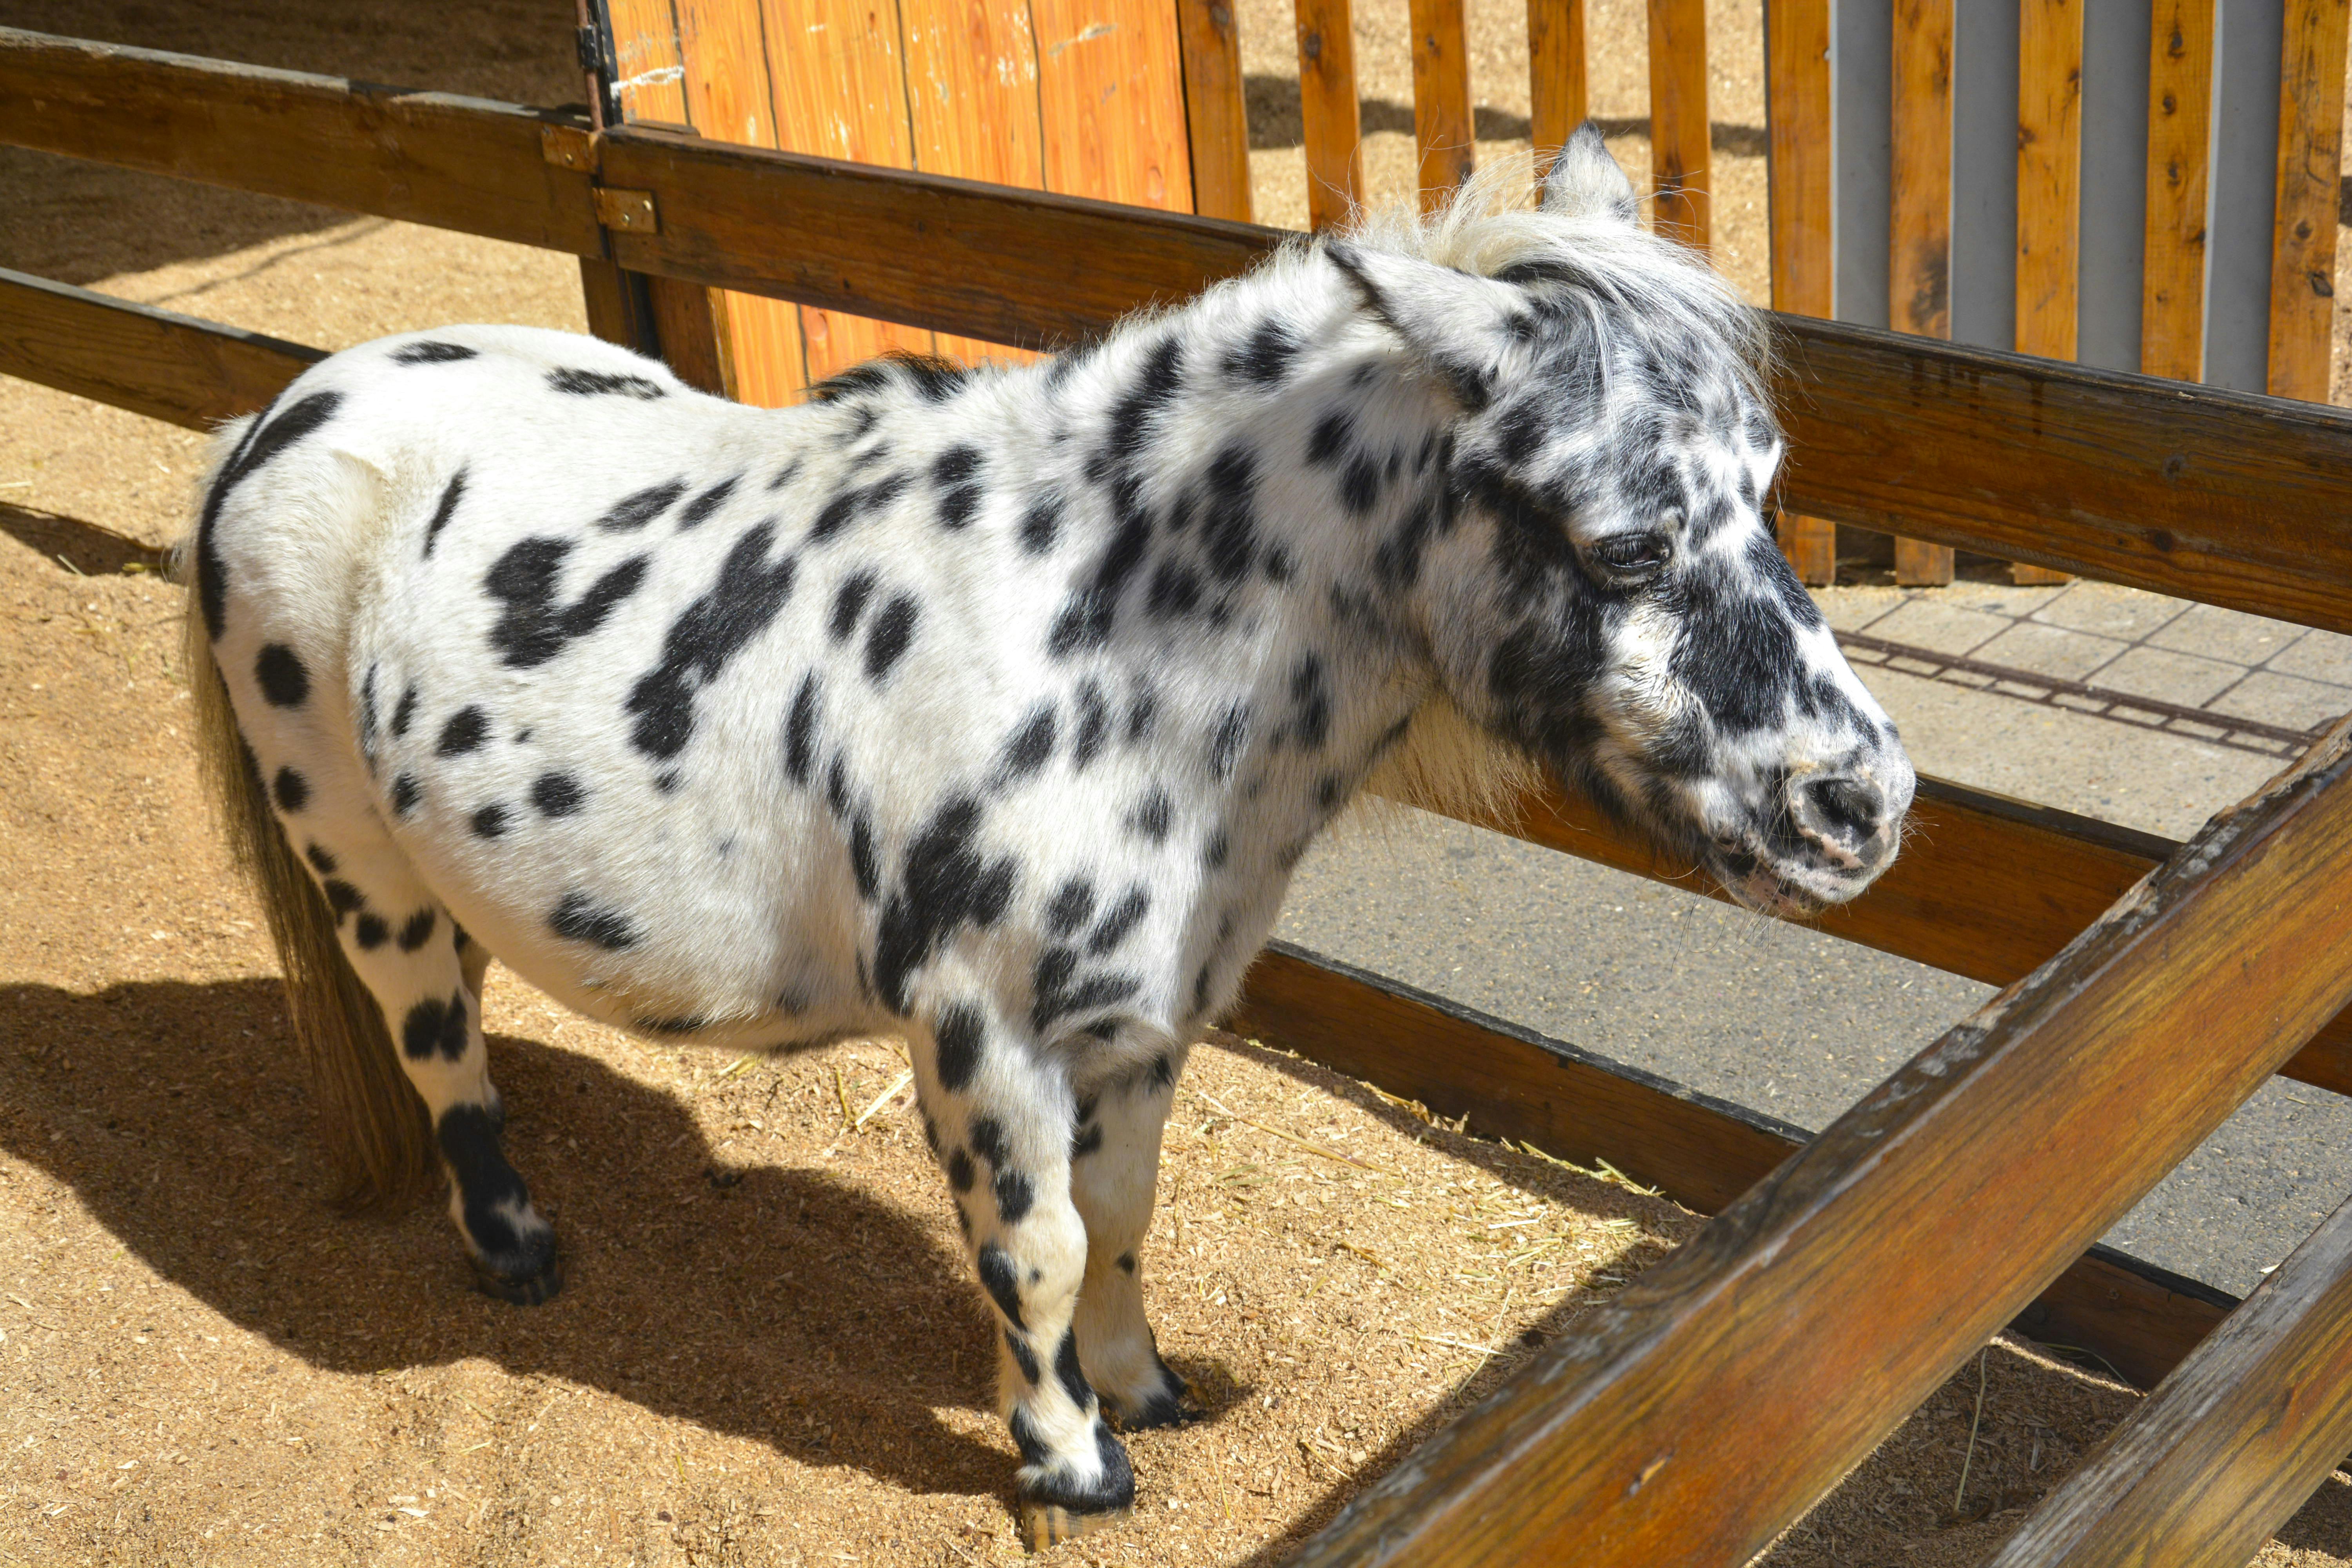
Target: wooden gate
point(2149, 987)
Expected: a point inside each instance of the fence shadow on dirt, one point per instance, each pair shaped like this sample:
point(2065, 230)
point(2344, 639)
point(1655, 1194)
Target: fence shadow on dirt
point(782, 1305)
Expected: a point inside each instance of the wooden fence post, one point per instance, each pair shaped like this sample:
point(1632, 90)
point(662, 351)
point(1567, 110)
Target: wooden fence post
point(1919, 252)
point(1802, 185)
point(1216, 111)
point(1332, 121)
point(2048, 188)
point(1679, 162)
point(2302, 264)
point(1442, 124)
point(1557, 88)
point(2179, 151)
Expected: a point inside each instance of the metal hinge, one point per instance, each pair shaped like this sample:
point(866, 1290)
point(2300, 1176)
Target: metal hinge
point(569, 147)
point(631, 211)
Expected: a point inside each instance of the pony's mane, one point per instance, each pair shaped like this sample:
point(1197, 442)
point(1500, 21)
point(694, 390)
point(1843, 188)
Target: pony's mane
point(1491, 227)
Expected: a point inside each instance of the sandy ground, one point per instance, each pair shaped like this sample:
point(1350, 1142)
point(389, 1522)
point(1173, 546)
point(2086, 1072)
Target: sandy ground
point(769, 1351)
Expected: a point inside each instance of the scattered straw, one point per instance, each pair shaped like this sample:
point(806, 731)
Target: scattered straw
point(885, 1097)
point(1969, 1457)
point(1231, 1115)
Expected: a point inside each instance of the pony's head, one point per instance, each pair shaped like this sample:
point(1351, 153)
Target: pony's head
point(1606, 594)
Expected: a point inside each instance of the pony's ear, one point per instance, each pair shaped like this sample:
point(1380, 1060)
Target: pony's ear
point(1584, 180)
point(1458, 324)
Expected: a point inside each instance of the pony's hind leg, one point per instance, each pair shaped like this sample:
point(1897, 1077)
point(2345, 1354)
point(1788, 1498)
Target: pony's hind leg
point(427, 975)
point(999, 1113)
point(1114, 1168)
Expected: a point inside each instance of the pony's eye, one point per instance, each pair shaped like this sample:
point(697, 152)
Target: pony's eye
point(1629, 553)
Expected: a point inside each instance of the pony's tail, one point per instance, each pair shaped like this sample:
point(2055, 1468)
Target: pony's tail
point(373, 1125)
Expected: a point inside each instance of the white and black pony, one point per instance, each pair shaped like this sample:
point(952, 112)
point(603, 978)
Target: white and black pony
point(995, 707)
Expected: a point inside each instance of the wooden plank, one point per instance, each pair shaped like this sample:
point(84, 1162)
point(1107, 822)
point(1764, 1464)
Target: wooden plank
point(2180, 149)
point(1510, 1082)
point(838, 74)
point(2231, 1445)
point(649, 74)
point(1557, 87)
point(2158, 485)
point(2310, 168)
point(1329, 111)
point(2048, 167)
point(1804, 1322)
point(152, 362)
point(694, 328)
point(1679, 146)
point(618, 311)
point(1216, 111)
point(1441, 125)
point(465, 164)
point(1920, 249)
point(1112, 100)
point(1802, 197)
point(2049, 189)
point(972, 104)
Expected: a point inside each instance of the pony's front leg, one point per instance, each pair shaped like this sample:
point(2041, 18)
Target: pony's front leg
point(1114, 1169)
point(1000, 1117)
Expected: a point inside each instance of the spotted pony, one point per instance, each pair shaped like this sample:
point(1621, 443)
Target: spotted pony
point(996, 707)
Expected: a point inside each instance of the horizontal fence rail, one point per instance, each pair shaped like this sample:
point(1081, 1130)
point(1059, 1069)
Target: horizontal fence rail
point(2222, 497)
point(1990, 1160)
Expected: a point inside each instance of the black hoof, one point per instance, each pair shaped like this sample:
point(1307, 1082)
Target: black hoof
point(523, 1290)
point(1055, 1506)
point(1173, 1405)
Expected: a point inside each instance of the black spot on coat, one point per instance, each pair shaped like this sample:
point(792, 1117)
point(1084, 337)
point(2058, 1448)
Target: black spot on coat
point(436, 1028)
point(282, 676)
point(603, 383)
point(958, 1035)
point(264, 440)
point(746, 596)
point(451, 494)
point(466, 730)
point(533, 628)
point(893, 629)
point(579, 917)
point(697, 512)
point(292, 791)
point(945, 885)
point(431, 351)
point(633, 511)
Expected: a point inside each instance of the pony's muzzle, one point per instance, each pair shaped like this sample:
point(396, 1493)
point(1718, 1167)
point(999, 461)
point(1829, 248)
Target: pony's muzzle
point(1844, 819)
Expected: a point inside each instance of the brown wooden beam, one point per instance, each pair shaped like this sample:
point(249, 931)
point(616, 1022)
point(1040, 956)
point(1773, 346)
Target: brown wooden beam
point(157, 362)
point(465, 164)
point(2234, 1441)
point(1700, 1411)
point(1511, 1082)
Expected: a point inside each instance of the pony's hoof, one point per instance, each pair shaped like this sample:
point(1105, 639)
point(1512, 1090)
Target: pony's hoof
point(522, 1290)
point(1044, 1524)
point(1174, 1405)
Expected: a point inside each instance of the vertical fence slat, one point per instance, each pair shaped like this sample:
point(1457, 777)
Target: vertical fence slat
point(1442, 126)
point(728, 96)
point(1557, 93)
point(2049, 187)
point(2179, 146)
point(2303, 265)
point(1331, 118)
point(1678, 128)
point(1216, 112)
point(839, 78)
point(1804, 260)
point(1111, 101)
point(1919, 244)
point(971, 105)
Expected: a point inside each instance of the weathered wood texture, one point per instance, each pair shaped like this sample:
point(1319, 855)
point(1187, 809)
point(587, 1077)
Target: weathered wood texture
point(1331, 117)
point(1991, 1157)
point(1558, 85)
point(1441, 125)
point(2302, 255)
point(1681, 164)
point(1920, 249)
point(2232, 1443)
point(2189, 490)
point(1216, 111)
point(1111, 98)
point(2049, 191)
point(1511, 1082)
point(157, 362)
point(1802, 189)
point(467, 164)
point(2180, 154)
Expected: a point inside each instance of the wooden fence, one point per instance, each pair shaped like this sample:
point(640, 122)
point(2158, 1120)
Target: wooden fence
point(2150, 986)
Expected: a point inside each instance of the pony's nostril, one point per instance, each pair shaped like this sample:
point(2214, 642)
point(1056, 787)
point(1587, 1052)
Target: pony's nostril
point(1844, 807)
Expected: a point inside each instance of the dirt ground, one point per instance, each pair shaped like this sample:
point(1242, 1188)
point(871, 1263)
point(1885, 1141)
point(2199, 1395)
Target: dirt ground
point(768, 1350)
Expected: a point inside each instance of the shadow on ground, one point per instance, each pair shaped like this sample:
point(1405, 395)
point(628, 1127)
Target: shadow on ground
point(781, 1305)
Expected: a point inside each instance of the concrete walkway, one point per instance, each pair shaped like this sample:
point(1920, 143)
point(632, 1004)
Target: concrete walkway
point(1781, 1017)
